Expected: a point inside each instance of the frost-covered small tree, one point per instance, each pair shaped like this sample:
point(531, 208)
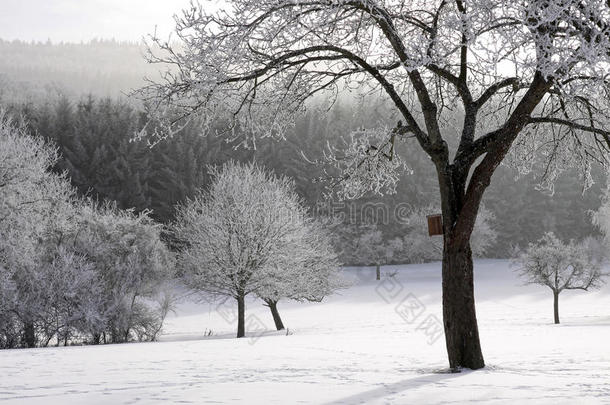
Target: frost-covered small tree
point(529, 76)
point(560, 266)
point(307, 271)
point(238, 231)
point(364, 244)
point(371, 247)
point(418, 247)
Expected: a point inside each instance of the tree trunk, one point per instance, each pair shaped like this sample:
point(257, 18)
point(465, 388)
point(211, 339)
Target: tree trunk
point(556, 306)
point(378, 272)
point(459, 315)
point(29, 334)
point(279, 325)
point(461, 192)
point(241, 316)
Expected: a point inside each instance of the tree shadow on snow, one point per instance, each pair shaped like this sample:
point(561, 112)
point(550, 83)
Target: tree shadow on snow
point(394, 388)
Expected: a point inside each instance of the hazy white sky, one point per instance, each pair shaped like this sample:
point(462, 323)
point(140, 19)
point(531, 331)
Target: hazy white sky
point(82, 20)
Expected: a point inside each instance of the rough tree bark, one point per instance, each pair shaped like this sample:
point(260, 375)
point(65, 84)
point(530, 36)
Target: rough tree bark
point(378, 273)
point(241, 316)
point(460, 319)
point(279, 325)
point(556, 305)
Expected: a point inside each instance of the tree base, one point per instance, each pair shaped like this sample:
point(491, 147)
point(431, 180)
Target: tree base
point(459, 315)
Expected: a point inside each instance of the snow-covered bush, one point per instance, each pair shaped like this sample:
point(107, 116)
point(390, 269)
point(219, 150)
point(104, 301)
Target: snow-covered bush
point(70, 268)
point(243, 232)
point(561, 266)
point(101, 273)
point(31, 197)
point(133, 266)
point(418, 247)
point(71, 296)
point(9, 330)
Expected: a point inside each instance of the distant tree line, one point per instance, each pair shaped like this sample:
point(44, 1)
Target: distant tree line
point(95, 141)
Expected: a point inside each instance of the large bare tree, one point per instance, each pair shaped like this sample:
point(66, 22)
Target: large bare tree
point(531, 75)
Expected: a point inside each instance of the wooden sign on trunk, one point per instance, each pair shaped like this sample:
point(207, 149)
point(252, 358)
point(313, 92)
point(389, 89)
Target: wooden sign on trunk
point(435, 224)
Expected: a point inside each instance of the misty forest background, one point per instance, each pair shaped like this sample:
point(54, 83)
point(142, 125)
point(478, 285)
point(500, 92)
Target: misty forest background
point(76, 95)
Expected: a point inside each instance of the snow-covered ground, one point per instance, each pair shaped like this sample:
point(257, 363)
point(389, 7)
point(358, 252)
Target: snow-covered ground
point(374, 343)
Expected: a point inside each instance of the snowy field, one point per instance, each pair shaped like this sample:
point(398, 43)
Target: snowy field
point(363, 346)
